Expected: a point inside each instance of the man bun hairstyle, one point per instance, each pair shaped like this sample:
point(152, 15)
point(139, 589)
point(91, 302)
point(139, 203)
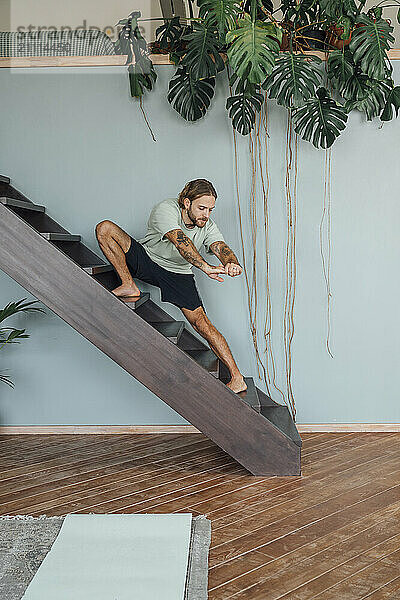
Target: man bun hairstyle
point(195, 189)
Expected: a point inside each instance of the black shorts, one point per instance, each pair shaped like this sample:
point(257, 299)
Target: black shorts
point(177, 288)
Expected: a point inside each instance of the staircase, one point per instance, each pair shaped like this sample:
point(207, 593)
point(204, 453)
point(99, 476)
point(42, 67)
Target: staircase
point(60, 271)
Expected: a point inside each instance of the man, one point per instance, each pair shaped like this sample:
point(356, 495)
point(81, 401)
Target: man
point(176, 230)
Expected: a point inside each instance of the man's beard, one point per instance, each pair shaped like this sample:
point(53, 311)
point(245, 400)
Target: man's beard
point(194, 220)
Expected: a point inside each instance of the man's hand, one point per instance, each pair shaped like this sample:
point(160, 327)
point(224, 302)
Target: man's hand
point(233, 269)
point(214, 272)
point(228, 259)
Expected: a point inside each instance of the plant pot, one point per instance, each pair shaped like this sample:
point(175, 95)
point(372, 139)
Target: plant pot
point(312, 39)
point(333, 37)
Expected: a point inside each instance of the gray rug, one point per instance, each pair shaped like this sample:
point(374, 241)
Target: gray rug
point(25, 541)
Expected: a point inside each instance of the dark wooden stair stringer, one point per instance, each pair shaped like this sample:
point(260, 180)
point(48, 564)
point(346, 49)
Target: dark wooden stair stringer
point(184, 383)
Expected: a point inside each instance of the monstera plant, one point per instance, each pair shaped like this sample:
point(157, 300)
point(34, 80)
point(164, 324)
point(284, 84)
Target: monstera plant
point(265, 56)
point(11, 335)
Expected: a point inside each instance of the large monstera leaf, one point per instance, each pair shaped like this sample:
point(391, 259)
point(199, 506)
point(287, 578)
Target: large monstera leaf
point(369, 44)
point(334, 9)
point(189, 97)
point(244, 105)
point(141, 72)
point(254, 48)
point(356, 88)
point(360, 91)
point(320, 120)
point(221, 14)
point(202, 43)
point(293, 80)
point(340, 67)
point(169, 34)
point(367, 95)
point(130, 40)
point(347, 78)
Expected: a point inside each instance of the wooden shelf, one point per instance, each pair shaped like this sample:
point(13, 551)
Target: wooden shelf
point(111, 61)
point(63, 61)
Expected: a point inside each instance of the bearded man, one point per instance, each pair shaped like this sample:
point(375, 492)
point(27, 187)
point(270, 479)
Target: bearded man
point(176, 230)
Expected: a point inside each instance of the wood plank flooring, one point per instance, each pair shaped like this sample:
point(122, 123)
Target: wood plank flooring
point(331, 534)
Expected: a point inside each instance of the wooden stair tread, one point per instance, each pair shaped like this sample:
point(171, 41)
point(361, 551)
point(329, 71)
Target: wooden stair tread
point(206, 359)
point(95, 269)
point(21, 204)
point(250, 396)
point(282, 419)
point(60, 237)
point(277, 414)
point(133, 304)
point(171, 330)
point(265, 400)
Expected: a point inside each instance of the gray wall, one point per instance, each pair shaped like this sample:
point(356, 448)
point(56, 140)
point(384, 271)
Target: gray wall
point(72, 139)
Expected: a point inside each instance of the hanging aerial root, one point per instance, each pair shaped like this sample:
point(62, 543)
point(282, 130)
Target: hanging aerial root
point(290, 258)
point(251, 270)
point(265, 183)
point(145, 118)
point(326, 262)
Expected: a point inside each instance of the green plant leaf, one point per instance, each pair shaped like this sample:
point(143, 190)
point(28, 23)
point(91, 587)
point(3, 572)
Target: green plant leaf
point(340, 67)
point(169, 35)
point(392, 102)
point(221, 14)
point(130, 40)
point(254, 48)
point(175, 57)
point(13, 308)
point(346, 23)
point(244, 105)
point(378, 12)
point(13, 336)
point(333, 10)
point(202, 43)
point(360, 91)
point(369, 95)
point(294, 79)
point(302, 13)
point(320, 120)
point(141, 76)
point(369, 44)
point(261, 4)
point(189, 97)
point(356, 88)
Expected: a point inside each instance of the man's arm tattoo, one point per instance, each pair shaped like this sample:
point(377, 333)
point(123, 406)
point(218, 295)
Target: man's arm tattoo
point(185, 247)
point(224, 253)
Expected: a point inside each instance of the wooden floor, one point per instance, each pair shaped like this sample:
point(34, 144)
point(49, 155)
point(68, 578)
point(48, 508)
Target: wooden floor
point(332, 534)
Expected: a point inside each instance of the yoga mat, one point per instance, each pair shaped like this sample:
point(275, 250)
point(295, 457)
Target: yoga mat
point(116, 557)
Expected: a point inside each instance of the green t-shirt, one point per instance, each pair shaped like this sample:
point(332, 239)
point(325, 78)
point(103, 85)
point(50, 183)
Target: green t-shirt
point(165, 217)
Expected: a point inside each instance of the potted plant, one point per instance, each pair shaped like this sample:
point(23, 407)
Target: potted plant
point(11, 335)
point(260, 53)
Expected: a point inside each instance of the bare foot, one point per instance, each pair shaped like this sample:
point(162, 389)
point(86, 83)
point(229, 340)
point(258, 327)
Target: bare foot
point(237, 385)
point(127, 291)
